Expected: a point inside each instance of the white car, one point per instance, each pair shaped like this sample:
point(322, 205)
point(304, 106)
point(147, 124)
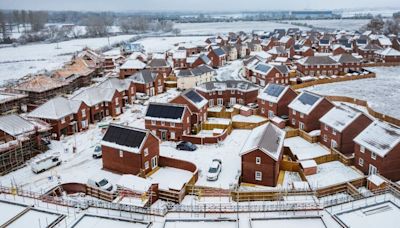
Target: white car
point(43, 164)
point(97, 152)
point(214, 170)
point(101, 183)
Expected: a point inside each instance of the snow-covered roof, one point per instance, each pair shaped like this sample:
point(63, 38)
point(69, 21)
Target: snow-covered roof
point(6, 97)
point(15, 125)
point(179, 54)
point(379, 137)
point(305, 102)
point(134, 183)
point(56, 109)
point(385, 41)
point(243, 86)
point(317, 60)
point(40, 83)
point(267, 138)
point(143, 77)
point(308, 163)
point(95, 95)
point(340, 117)
point(273, 92)
point(376, 180)
point(115, 83)
point(284, 39)
point(388, 52)
point(133, 64)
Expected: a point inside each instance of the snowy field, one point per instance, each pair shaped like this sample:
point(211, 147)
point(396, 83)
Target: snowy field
point(16, 62)
point(34, 219)
point(332, 173)
point(228, 151)
point(305, 150)
point(226, 27)
point(288, 223)
point(200, 224)
point(381, 92)
point(8, 211)
point(342, 24)
point(163, 44)
point(100, 222)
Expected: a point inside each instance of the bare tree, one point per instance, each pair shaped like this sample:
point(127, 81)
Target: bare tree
point(376, 25)
point(96, 26)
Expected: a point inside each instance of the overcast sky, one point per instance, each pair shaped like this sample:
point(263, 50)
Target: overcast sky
point(193, 5)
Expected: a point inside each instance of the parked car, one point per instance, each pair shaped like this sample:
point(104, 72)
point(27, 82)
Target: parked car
point(214, 170)
point(186, 146)
point(45, 163)
point(101, 183)
point(97, 153)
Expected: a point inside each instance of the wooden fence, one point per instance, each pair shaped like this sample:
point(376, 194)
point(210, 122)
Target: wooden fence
point(332, 80)
point(308, 137)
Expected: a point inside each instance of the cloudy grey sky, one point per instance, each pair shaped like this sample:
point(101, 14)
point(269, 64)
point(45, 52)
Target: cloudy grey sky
point(194, 5)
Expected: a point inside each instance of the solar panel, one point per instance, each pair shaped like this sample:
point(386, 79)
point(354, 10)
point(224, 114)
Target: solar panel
point(308, 99)
point(124, 136)
point(263, 68)
point(164, 111)
point(193, 96)
point(274, 90)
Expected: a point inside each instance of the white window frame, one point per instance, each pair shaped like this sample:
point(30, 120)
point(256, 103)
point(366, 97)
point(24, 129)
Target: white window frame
point(362, 149)
point(146, 165)
point(121, 153)
point(373, 155)
point(172, 124)
point(258, 160)
point(258, 176)
point(361, 162)
point(146, 152)
point(153, 122)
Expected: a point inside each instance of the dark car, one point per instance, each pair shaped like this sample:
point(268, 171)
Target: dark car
point(186, 146)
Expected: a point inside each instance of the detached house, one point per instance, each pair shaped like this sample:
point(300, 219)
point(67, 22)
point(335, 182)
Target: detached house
point(197, 60)
point(179, 59)
point(129, 150)
point(102, 102)
point(274, 99)
point(261, 155)
point(190, 78)
point(148, 82)
point(217, 56)
point(168, 121)
point(306, 109)
point(65, 116)
point(263, 74)
point(196, 103)
point(130, 67)
point(340, 126)
point(377, 150)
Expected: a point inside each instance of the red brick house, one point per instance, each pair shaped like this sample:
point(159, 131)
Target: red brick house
point(262, 154)
point(377, 150)
point(319, 65)
point(286, 41)
point(306, 109)
point(65, 116)
point(168, 121)
point(274, 99)
point(129, 150)
point(148, 82)
point(303, 51)
point(130, 67)
point(198, 60)
point(196, 103)
point(263, 73)
point(124, 86)
point(179, 59)
point(217, 56)
point(228, 92)
point(368, 51)
point(388, 55)
point(348, 62)
point(340, 126)
point(102, 102)
point(159, 66)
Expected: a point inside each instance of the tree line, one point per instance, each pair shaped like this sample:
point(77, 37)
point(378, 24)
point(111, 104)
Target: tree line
point(389, 26)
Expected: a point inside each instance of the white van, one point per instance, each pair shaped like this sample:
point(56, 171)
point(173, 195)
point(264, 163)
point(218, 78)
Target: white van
point(101, 183)
point(45, 163)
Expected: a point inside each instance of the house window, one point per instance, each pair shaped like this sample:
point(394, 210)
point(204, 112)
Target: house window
point(146, 165)
point(333, 132)
point(262, 110)
point(121, 154)
point(146, 152)
point(219, 92)
point(83, 113)
point(325, 138)
point(258, 176)
point(293, 121)
point(373, 155)
point(63, 120)
point(96, 106)
point(271, 104)
point(162, 123)
point(153, 122)
point(270, 114)
point(361, 161)
point(301, 126)
point(294, 112)
point(301, 115)
point(258, 160)
point(362, 149)
point(326, 127)
point(262, 102)
point(116, 101)
point(232, 91)
point(172, 124)
point(187, 120)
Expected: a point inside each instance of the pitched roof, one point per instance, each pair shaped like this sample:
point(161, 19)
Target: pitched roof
point(143, 76)
point(273, 92)
point(379, 137)
point(267, 138)
point(345, 58)
point(305, 102)
point(388, 52)
point(40, 83)
point(56, 109)
point(165, 112)
point(15, 125)
point(195, 98)
point(115, 83)
point(317, 60)
point(133, 64)
point(95, 95)
point(218, 51)
point(124, 138)
point(243, 86)
point(197, 71)
point(158, 63)
point(340, 117)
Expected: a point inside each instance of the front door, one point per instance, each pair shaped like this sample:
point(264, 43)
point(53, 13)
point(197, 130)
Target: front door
point(163, 135)
point(172, 135)
point(333, 144)
point(154, 162)
point(211, 102)
point(232, 100)
point(220, 101)
point(301, 126)
point(372, 170)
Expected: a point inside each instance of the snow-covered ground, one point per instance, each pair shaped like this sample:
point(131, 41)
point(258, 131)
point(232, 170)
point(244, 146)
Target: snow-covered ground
point(34, 219)
point(228, 151)
point(226, 27)
point(8, 211)
point(305, 150)
point(231, 71)
point(163, 44)
point(16, 62)
point(200, 224)
point(98, 222)
point(342, 24)
point(289, 223)
point(381, 92)
point(332, 173)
